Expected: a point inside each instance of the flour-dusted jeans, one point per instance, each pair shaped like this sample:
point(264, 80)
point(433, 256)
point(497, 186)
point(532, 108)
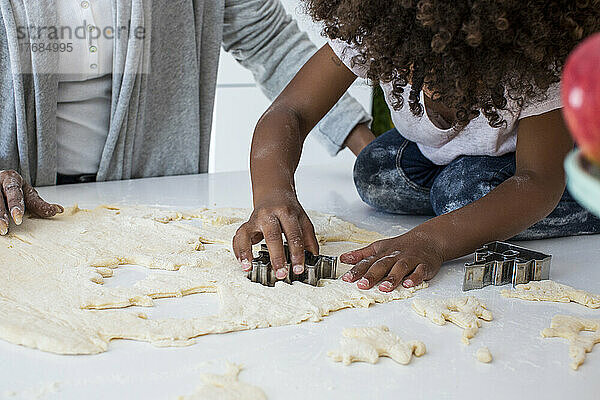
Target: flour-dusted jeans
point(391, 174)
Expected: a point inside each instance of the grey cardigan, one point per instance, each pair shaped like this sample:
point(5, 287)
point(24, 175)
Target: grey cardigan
point(163, 85)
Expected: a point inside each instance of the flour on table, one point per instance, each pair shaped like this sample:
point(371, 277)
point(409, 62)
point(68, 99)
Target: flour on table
point(52, 295)
point(570, 328)
point(369, 343)
point(466, 312)
point(225, 387)
point(483, 355)
point(553, 291)
point(40, 391)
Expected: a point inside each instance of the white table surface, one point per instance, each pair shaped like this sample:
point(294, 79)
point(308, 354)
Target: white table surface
point(290, 362)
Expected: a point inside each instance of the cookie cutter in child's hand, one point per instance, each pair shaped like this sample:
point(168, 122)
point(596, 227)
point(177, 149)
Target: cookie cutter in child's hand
point(499, 263)
point(315, 268)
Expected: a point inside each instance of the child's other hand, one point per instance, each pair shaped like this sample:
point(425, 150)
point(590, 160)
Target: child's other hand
point(280, 214)
point(408, 259)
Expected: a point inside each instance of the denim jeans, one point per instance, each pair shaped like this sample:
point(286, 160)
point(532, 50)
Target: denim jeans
point(391, 174)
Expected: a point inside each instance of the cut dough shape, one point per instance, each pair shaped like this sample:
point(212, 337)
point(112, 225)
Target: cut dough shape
point(570, 328)
point(552, 291)
point(466, 312)
point(225, 387)
point(369, 343)
point(483, 355)
point(52, 297)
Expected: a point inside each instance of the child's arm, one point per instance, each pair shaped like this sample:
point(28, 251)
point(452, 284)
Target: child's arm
point(527, 197)
point(276, 149)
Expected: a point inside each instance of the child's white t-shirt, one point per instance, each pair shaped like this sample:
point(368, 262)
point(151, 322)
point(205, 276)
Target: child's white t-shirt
point(442, 146)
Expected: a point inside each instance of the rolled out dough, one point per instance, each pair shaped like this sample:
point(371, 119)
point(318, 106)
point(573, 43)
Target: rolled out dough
point(52, 295)
point(369, 343)
point(552, 291)
point(466, 313)
point(225, 387)
point(570, 328)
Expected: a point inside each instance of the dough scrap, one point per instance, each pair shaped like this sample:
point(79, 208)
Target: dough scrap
point(52, 295)
point(483, 355)
point(225, 387)
point(570, 328)
point(552, 291)
point(369, 343)
point(466, 313)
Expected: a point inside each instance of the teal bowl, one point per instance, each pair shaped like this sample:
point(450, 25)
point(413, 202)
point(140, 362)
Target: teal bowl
point(583, 181)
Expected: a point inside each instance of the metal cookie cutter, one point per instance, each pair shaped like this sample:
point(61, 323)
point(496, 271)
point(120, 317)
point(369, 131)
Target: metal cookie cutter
point(499, 263)
point(315, 268)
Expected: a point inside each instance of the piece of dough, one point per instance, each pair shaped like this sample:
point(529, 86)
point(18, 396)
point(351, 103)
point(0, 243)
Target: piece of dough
point(483, 355)
point(52, 297)
point(466, 312)
point(369, 343)
point(570, 328)
point(225, 387)
point(552, 291)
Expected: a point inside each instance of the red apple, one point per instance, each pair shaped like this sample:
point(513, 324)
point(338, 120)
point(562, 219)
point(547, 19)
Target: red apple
point(581, 96)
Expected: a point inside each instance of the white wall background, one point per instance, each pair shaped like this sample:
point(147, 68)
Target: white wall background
point(239, 105)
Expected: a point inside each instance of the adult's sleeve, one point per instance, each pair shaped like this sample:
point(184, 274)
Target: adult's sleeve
point(264, 39)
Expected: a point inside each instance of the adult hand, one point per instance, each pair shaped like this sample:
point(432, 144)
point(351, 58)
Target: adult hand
point(16, 195)
point(280, 214)
point(408, 259)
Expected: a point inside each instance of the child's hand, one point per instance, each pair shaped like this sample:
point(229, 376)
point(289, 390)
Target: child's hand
point(280, 214)
point(408, 259)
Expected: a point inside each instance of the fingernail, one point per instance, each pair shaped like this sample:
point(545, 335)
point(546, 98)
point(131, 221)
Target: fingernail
point(363, 283)
point(246, 265)
point(408, 283)
point(3, 228)
point(385, 286)
point(347, 256)
point(298, 269)
point(281, 273)
point(347, 277)
point(17, 215)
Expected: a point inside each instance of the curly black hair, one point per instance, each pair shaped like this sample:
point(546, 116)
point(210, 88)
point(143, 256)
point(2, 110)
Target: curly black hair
point(473, 55)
